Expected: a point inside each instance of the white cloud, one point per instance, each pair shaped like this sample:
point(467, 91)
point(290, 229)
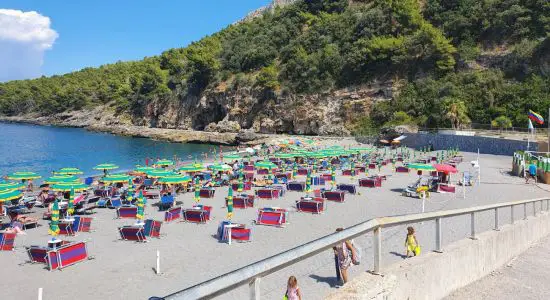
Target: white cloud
point(24, 36)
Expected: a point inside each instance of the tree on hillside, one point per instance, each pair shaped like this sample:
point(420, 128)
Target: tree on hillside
point(501, 122)
point(456, 112)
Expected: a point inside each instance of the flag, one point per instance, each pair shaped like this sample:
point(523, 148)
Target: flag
point(536, 117)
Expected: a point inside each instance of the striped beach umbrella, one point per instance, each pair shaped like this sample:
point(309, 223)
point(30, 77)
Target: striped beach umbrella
point(294, 170)
point(68, 186)
point(11, 186)
point(106, 167)
point(60, 178)
point(116, 178)
point(192, 168)
point(164, 163)
point(140, 206)
point(197, 196)
point(352, 169)
point(174, 179)
point(68, 171)
point(70, 207)
point(220, 167)
point(130, 191)
point(333, 177)
point(265, 165)
point(308, 184)
point(23, 176)
point(143, 170)
point(54, 223)
point(240, 187)
point(230, 203)
point(157, 173)
point(7, 195)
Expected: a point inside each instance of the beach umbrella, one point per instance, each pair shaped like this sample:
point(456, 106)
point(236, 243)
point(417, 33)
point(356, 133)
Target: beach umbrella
point(423, 167)
point(105, 167)
point(116, 178)
point(23, 176)
point(7, 195)
point(140, 206)
point(68, 171)
point(333, 177)
point(294, 170)
point(164, 162)
point(130, 191)
point(230, 203)
point(285, 155)
point(308, 184)
point(192, 168)
point(445, 168)
point(352, 169)
point(265, 165)
point(220, 167)
point(241, 185)
point(197, 190)
point(54, 223)
point(157, 173)
point(70, 207)
point(143, 170)
point(60, 178)
point(174, 179)
point(232, 157)
point(67, 186)
point(11, 186)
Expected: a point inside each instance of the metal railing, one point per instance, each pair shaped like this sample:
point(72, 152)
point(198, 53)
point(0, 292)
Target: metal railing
point(253, 273)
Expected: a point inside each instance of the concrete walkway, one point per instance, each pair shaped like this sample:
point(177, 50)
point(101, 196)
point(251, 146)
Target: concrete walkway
point(525, 277)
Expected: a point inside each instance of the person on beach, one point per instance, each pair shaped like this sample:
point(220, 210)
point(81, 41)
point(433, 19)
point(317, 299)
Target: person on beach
point(292, 289)
point(345, 252)
point(532, 173)
point(411, 243)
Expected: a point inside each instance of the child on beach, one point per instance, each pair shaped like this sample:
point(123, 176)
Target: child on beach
point(411, 243)
point(292, 289)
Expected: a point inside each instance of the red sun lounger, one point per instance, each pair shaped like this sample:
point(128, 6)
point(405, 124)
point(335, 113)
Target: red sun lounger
point(268, 193)
point(336, 196)
point(241, 234)
point(346, 172)
point(402, 169)
point(85, 224)
point(126, 212)
point(296, 186)
point(152, 228)
point(172, 214)
point(57, 258)
point(446, 188)
point(242, 202)
point(271, 218)
point(132, 233)
point(197, 216)
point(247, 186)
point(207, 193)
point(310, 206)
point(7, 241)
point(370, 182)
point(350, 188)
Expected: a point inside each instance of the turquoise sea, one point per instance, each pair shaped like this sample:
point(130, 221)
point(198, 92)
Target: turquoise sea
point(43, 149)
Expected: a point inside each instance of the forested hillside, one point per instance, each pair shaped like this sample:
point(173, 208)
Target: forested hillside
point(356, 65)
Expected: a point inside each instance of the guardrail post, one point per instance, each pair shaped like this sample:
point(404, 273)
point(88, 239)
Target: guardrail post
point(525, 211)
point(255, 288)
point(497, 228)
point(377, 244)
point(512, 214)
point(438, 247)
point(473, 226)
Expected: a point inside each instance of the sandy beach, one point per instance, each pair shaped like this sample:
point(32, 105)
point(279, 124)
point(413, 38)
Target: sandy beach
point(190, 253)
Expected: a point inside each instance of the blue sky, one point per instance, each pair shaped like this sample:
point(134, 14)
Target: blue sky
point(92, 33)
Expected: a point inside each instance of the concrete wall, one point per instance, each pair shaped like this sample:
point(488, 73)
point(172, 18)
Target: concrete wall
point(435, 275)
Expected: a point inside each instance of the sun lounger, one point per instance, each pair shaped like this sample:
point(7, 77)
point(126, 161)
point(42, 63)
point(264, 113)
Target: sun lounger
point(132, 233)
point(336, 196)
point(302, 171)
point(85, 224)
point(87, 205)
point(238, 232)
point(360, 169)
point(67, 254)
point(248, 176)
point(402, 169)
point(350, 188)
point(194, 215)
point(262, 171)
point(152, 228)
point(310, 206)
point(114, 203)
point(296, 186)
point(271, 217)
point(166, 202)
point(327, 177)
point(241, 234)
point(268, 193)
point(151, 194)
point(207, 193)
point(172, 214)
point(446, 188)
point(66, 227)
point(242, 201)
point(319, 180)
point(372, 166)
point(7, 241)
point(371, 182)
point(207, 209)
point(247, 186)
point(27, 224)
point(126, 212)
point(346, 172)
point(37, 254)
point(249, 168)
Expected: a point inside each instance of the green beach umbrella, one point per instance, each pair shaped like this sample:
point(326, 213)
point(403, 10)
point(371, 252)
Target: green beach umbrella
point(220, 167)
point(174, 179)
point(106, 167)
point(423, 167)
point(308, 184)
point(116, 178)
point(240, 187)
point(230, 203)
point(60, 178)
point(67, 186)
point(140, 206)
point(265, 165)
point(352, 169)
point(11, 186)
point(164, 162)
point(157, 173)
point(333, 177)
point(130, 191)
point(70, 207)
point(68, 171)
point(143, 169)
point(23, 176)
point(294, 170)
point(192, 168)
point(54, 223)
point(7, 195)
point(232, 157)
point(197, 190)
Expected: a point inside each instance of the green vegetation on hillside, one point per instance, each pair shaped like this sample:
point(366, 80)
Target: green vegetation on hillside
point(459, 61)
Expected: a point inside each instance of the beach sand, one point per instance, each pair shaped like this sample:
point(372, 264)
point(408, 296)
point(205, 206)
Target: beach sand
point(191, 254)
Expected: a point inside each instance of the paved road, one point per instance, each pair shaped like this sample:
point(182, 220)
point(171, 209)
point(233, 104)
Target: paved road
point(525, 277)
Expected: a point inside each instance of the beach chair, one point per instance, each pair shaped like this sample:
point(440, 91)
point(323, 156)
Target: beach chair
point(37, 254)
point(310, 206)
point(247, 186)
point(336, 196)
point(207, 209)
point(346, 172)
point(152, 228)
point(207, 193)
point(241, 234)
point(242, 201)
point(401, 169)
point(84, 225)
point(27, 224)
point(7, 241)
point(327, 177)
point(372, 166)
point(172, 214)
point(262, 171)
point(303, 171)
point(446, 188)
point(87, 205)
point(350, 188)
point(88, 180)
point(271, 217)
point(166, 202)
point(296, 186)
point(132, 233)
point(66, 228)
point(267, 193)
point(68, 254)
point(318, 180)
point(126, 212)
point(152, 194)
point(371, 182)
point(361, 169)
point(197, 216)
point(248, 176)
point(238, 232)
point(114, 203)
point(249, 168)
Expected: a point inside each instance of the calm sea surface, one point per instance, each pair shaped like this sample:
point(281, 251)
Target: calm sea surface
point(43, 149)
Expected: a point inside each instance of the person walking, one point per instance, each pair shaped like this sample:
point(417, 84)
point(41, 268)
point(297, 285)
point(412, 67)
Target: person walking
point(292, 289)
point(345, 252)
point(411, 243)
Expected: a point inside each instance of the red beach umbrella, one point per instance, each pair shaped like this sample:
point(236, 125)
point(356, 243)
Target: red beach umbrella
point(445, 168)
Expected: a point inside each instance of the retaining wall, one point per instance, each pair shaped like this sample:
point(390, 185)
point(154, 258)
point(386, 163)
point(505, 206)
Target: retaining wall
point(435, 275)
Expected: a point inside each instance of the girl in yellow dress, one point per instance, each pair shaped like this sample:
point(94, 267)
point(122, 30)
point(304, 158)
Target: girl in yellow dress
point(411, 243)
